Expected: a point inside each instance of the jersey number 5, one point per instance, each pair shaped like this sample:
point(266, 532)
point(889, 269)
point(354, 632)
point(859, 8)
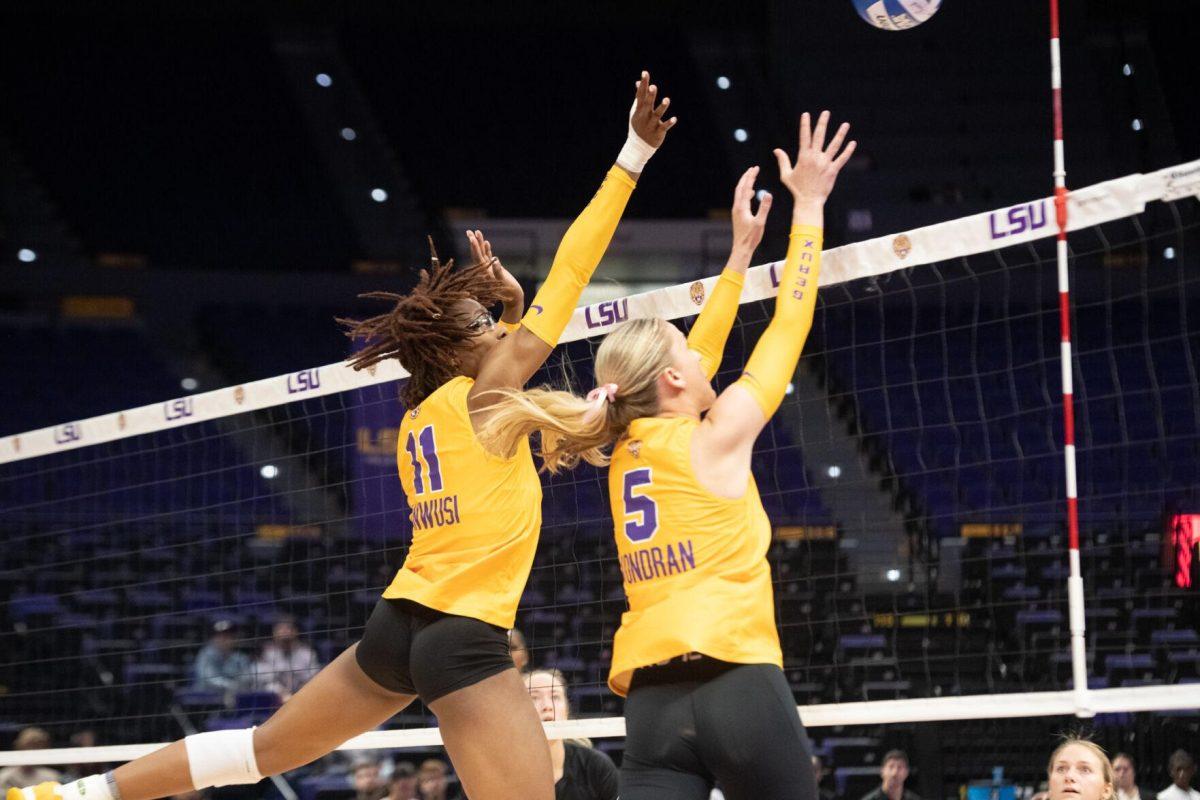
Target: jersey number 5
point(640, 506)
point(428, 448)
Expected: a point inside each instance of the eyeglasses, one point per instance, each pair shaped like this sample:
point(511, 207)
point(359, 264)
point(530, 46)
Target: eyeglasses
point(483, 322)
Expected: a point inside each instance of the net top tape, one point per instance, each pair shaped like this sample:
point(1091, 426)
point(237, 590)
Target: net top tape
point(877, 712)
point(1004, 227)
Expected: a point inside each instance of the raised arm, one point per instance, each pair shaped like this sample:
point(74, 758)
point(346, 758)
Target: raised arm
point(518, 356)
point(742, 410)
point(708, 335)
point(513, 297)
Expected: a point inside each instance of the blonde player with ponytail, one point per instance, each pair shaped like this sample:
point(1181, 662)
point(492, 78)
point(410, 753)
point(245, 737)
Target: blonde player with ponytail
point(697, 654)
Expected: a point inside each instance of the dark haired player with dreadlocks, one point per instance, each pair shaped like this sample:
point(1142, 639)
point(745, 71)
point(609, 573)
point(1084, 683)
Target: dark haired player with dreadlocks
point(440, 631)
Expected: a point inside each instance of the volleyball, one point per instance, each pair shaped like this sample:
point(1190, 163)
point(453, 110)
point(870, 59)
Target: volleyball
point(896, 15)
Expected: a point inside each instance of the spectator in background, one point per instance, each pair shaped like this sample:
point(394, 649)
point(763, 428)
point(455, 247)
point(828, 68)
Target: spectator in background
point(17, 777)
point(1182, 768)
point(286, 663)
point(518, 649)
point(343, 762)
point(580, 773)
point(366, 780)
point(893, 772)
point(220, 667)
point(1080, 770)
point(1125, 778)
point(404, 782)
point(432, 783)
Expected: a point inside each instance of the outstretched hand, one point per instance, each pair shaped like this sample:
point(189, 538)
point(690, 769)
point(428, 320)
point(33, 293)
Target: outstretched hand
point(748, 226)
point(513, 296)
point(646, 119)
point(816, 169)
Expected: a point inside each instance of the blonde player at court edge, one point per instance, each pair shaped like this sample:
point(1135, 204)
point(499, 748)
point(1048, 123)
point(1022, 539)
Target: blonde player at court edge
point(697, 654)
point(440, 631)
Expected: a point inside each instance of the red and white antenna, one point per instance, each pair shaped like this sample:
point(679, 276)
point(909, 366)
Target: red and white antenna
point(1075, 579)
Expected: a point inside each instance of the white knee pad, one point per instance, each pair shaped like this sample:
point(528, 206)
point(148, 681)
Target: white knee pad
point(222, 758)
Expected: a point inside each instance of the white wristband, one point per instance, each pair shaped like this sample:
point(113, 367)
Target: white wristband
point(636, 152)
point(93, 787)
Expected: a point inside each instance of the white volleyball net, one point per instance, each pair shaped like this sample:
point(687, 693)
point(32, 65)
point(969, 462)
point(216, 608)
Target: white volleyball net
point(913, 477)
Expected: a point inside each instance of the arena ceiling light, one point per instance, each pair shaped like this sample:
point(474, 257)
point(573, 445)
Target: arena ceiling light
point(26, 255)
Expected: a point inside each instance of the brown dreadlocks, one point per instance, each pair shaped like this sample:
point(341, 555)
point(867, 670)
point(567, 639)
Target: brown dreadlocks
point(420, 331)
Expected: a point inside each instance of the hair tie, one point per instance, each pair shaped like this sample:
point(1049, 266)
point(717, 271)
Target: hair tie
point(598, 397)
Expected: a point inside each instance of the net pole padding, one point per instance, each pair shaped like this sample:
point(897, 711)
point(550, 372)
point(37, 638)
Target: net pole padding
point(944, 241)
point(1075, 602)
point(1183, 697)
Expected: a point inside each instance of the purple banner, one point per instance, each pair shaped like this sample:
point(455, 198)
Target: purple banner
point(377, 505)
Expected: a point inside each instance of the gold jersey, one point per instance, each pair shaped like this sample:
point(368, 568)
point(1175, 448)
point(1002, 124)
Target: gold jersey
point(475, 516)
point(694, 564)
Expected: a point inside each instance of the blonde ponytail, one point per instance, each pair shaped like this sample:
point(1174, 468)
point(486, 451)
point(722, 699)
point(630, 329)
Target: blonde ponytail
point(572, 427)
point(569, 433)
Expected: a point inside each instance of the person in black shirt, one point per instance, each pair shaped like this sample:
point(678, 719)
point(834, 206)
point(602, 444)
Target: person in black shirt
point(1125, 778)
point(580, 773)
point(893, 772)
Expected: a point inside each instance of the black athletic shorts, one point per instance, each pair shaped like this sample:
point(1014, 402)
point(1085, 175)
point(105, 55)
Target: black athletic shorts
point(412, 649)
point(690, 724)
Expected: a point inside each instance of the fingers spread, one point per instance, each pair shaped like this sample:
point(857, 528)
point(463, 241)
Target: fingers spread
point(818, 139)
point(745, 186)
point(841, 160)
point(481, 249)
point(805, 131)
point(839, 137)
point(750, 177)
point(764, 208)
point(785, 163)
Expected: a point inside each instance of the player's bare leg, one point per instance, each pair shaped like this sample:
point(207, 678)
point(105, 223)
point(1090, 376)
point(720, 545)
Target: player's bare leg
point(475, 720)
point(336, 705)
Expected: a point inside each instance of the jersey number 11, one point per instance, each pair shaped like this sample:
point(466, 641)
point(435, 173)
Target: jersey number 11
point(428, 451)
